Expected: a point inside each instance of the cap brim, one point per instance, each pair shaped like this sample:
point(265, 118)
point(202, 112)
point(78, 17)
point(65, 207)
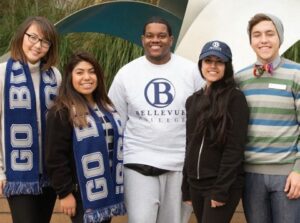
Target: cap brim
point(214, 53)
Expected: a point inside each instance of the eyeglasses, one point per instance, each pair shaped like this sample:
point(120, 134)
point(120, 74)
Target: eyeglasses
point(34, 39)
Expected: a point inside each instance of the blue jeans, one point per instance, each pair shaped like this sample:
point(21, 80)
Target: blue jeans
point(265, 201)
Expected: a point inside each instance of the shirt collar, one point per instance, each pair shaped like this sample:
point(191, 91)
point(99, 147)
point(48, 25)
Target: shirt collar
point(275, 63)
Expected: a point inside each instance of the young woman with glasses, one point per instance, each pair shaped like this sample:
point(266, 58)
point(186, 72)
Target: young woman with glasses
point(28, 84)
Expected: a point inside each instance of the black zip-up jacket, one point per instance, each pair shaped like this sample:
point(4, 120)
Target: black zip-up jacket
point(60, 163)
point(214, 170)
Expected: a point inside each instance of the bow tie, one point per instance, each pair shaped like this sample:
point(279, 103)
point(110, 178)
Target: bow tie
point(260, 69)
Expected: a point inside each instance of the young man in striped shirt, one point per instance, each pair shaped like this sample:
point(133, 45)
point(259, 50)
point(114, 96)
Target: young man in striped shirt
point(272, 157)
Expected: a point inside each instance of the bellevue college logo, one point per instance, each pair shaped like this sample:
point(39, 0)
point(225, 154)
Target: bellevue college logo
point(216, 44)
point(159, 92)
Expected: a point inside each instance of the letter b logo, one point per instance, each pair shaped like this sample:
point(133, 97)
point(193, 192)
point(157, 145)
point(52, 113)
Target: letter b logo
point(159, 92)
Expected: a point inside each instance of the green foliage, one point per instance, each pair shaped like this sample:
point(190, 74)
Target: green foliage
point(293, 52)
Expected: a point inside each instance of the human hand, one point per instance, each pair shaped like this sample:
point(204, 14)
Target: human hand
point(2, 185)
point(292, 185)
point(188, 203)
point(68, 205)
point(215, 204)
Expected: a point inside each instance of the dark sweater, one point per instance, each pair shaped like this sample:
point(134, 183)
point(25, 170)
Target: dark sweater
point(217, 168)
point(60, 164)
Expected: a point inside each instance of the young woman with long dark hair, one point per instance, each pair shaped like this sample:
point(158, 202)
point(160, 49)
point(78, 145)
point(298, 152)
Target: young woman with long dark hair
point(217, 121)
point(84, 156)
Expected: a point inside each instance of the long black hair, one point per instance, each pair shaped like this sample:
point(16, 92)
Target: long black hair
point(214, 119)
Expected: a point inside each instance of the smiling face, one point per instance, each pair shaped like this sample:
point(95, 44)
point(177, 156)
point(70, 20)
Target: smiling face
point(157, 43)
point(84, 80)
point(265, 41)
point(34, 52)
point(213, 69)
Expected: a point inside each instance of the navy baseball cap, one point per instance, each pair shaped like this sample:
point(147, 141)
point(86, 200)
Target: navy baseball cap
point(218, 49)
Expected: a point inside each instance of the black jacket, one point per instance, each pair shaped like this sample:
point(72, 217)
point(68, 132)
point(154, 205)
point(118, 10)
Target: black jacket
point(214, 170)
point(60, 163)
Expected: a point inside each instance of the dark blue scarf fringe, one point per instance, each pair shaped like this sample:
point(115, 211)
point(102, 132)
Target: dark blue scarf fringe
point(99, 215)
point(17, 188)
point(44, 181)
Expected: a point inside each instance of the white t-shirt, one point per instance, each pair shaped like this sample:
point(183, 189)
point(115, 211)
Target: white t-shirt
point(151, 101)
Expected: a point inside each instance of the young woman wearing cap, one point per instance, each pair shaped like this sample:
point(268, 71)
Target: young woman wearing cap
point(217, 121)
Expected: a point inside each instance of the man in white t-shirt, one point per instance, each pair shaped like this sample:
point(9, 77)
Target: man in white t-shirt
point(150, 94)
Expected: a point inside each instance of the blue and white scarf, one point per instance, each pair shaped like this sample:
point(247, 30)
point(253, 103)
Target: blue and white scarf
point(22, 152)
point(101, 187)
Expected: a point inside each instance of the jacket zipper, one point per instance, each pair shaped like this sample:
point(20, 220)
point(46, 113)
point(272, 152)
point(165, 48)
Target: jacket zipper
point(199, 156)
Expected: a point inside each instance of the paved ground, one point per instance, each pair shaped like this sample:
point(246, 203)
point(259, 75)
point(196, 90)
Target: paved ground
point(61, 218)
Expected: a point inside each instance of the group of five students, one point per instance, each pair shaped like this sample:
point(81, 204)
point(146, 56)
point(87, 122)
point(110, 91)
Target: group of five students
point(184, 141)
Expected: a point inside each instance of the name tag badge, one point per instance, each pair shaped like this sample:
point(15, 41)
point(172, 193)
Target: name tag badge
point(277, 86)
